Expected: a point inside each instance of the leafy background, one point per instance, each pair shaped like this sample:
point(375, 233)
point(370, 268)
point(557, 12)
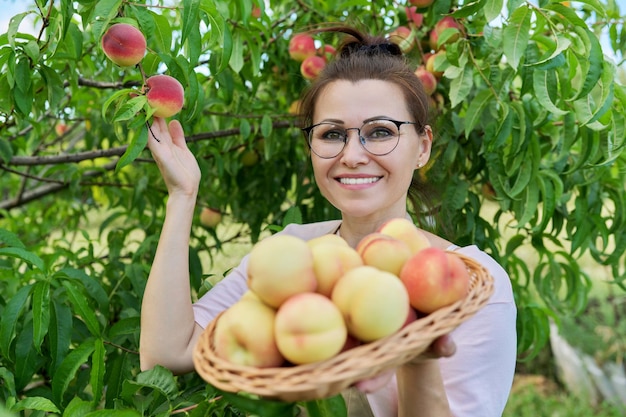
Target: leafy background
point(529, 119)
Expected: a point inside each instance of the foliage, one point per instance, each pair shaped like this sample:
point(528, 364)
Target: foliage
point(600, 331)
point(529, 115)
point(531, 402)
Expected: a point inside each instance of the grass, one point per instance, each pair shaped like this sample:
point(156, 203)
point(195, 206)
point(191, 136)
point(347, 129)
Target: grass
point(540, 396)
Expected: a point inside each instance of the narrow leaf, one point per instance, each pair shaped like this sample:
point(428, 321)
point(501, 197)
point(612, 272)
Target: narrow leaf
point(59, 332)
point(41, 312)
point(96, 380)
point(68, 368)
point(10, 314)
point(476, 108)
point(516, 35)
point(137, 145)
point(461, 86)
point(82, 308)
point(544, 84)
point(35, 403)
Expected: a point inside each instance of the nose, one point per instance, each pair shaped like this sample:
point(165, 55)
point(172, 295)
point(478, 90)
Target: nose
point(353, 152)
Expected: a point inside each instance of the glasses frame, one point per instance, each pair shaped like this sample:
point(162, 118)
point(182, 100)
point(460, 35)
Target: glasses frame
point(307, 134)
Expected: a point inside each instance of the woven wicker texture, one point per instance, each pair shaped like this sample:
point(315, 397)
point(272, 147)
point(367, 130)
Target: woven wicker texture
point(330, 377)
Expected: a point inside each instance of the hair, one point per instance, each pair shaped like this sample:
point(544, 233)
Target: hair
point(362, 56)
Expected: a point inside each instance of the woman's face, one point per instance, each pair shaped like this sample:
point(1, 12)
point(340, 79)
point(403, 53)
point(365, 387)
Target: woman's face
point(358, 183)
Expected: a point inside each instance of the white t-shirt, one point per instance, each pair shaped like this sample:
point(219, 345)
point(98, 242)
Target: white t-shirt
point(477, 377)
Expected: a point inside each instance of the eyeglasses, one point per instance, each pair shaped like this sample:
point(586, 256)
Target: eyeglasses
point(378, 137)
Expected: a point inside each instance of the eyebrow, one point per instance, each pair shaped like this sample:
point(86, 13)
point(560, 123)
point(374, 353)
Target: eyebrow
point(369, 119)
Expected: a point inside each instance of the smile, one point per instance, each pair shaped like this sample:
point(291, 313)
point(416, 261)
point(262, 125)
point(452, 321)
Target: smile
point(356, 181)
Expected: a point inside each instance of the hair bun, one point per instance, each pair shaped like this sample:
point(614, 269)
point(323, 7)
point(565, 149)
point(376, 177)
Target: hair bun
point(383, 48)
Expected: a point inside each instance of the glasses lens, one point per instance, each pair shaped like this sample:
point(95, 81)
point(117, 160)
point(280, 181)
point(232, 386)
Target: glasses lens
point(327, 140)
point(381, 136)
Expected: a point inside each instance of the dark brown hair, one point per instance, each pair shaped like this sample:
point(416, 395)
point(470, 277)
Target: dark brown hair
point(367, 57)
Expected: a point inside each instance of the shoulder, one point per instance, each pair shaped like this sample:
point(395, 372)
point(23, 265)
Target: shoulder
point(311, 230)
point(503, 289)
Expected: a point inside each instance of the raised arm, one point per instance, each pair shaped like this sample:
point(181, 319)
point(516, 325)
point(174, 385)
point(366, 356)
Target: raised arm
point(168, 329)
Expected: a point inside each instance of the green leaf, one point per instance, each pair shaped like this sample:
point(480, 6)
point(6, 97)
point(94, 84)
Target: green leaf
point(10, 239)
point(266, 126)
point(137, 145)
point(293, 215)
point(54, 85)
point(41, 312)
point(129, 109)
point(190, 18)
point(115, 413)
point(461, 86)
point(492, 9)
point(98, 366)
point(260, 407)
point(27, 360)
point(14, 25)
point(236, 59)
point(476, 108)
point(25, 256)
point(82, 308)
point(59, 332)
point(158, 378)
point(68, 368)
point(6, 151)
point(104, 12)
point(516, 35)
point(556, 58)
point(595, 61)
point(545, 88)
point(329, 407)
point(10, 315)
point(35, 403)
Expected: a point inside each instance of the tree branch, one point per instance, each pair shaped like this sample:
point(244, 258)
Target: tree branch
point(118, 151)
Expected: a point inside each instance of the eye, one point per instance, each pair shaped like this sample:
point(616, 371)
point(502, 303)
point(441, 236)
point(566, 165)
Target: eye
point(330, 133)
point(380, 131)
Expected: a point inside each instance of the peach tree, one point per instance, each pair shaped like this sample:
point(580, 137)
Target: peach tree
point(528, 110)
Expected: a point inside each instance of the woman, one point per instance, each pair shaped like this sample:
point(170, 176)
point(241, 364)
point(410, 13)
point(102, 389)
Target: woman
point(366, 116)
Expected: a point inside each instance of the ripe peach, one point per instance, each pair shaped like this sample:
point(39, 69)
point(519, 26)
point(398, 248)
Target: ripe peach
point(403, 37)
point(301, 46)
point(374, 303)
point(434, 278)
point(294, 107)
point(446, 22)
point(403, 229)
point(309, 328)
point(329, 238)
point(165, 95)
point(383, 252)
point(326, 51)
point(421, 3)
point(430, 63)
point(124, 44)
point(279, 267)
point(428, 80)
point(412, 16)
point(331, 260)
point(244, 335)
point(210, 217)
point(312, 66)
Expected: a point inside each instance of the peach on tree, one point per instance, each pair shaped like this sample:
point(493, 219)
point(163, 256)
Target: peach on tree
point(124, 44)
point(165, 95)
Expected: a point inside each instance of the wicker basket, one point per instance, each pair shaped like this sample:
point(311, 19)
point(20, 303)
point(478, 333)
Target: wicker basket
point(330, 377)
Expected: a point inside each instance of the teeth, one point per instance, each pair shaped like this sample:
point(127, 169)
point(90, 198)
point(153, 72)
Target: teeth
point(355, 181)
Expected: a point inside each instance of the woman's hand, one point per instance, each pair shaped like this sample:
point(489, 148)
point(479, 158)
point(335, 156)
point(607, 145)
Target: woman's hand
point(177, 164)
point(443, 346)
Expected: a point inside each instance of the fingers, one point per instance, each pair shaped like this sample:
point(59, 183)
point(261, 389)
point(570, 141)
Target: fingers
point(443, 346)
point(177, 133)
point(375, 383)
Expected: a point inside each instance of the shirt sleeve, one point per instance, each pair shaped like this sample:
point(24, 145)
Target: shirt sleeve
point(478, 377)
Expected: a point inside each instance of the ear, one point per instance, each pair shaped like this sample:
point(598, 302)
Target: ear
point(426, 143)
